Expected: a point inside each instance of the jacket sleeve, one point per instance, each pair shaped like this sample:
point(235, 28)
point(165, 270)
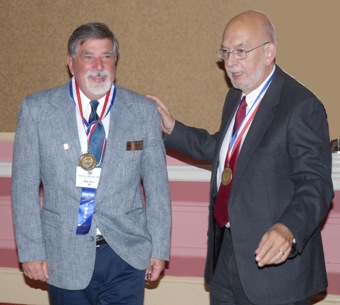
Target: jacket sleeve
point(193, 142)
point(311, 163)
point(25, 187)
point(157, 193)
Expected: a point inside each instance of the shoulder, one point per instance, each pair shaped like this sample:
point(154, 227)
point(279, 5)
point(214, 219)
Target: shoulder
point(292, 87)
point(41, 104)
point(294, 95)
point(132, 99)
point(40, 98)
point(49, 92)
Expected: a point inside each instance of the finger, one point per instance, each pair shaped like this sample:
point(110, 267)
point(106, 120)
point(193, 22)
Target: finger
point(148, 273)
point(29, 269)
point(275, 257)
point(155, 99)
point(281, 254)
point(158, 101)
point(152, 97)
point(36, 270)
point(45, 270)
point(40, 276)
point(268, 252)
point(155, 273)
point(157, 268)
point(279, 258)
point(263, 247)
point(275, 240)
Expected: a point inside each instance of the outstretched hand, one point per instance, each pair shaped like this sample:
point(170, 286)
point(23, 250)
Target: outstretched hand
point(168, 122)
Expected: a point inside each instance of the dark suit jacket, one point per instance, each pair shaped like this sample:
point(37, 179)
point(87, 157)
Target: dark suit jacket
point(283, 175)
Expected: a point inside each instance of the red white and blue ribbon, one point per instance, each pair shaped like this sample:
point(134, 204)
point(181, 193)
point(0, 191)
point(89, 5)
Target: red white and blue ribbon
point(88, 195)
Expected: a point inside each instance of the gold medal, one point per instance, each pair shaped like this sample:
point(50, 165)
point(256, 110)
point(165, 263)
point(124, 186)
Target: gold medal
point(87, 161)
point(227, 176)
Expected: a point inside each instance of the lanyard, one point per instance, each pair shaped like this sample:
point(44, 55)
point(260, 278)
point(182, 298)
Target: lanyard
point(89, 128)
point(237, 136)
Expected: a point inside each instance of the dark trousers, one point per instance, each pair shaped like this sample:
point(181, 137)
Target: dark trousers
point(226, 287)
point(114, 282)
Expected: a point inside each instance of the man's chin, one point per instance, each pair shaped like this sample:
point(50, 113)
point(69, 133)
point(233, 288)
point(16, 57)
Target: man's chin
point(99, 90)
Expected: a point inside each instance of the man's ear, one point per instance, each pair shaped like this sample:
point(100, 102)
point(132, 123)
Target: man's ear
point(270, 50)
point(70, 63)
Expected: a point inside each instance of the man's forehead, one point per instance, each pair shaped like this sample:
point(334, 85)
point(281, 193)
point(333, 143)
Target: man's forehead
point(94, 42)
point(95, 45)
point(240, 37)
point(236, 40)
point(239, 45)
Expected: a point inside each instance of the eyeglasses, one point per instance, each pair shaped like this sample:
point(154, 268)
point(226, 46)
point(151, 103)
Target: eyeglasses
point(238, 54)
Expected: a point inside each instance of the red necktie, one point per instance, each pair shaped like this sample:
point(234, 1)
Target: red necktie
point(221, 203)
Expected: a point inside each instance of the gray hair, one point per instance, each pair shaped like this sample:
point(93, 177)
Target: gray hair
point(269, 30)
point(95, 30)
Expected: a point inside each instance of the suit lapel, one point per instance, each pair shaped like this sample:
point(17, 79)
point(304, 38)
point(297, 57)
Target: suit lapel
point(261, 122)
point(64, 123)
point(120, 123)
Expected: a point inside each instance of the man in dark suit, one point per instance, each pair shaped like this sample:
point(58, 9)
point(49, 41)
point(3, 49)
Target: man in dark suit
point(96, 237)
point(265, 211)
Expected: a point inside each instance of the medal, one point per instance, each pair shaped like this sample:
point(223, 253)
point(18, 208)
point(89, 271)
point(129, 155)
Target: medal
point(227, 176)
point(87, 161)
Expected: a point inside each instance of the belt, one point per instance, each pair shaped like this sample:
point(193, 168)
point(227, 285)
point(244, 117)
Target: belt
point(100, 240)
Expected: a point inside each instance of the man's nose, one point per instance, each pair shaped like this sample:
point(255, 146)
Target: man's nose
point(98, 63)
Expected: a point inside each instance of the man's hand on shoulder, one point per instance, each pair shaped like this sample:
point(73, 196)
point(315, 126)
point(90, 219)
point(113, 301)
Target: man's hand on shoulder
point(168, 122)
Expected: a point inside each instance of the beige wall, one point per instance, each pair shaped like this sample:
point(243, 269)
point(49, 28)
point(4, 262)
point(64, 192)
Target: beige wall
point(167, 48)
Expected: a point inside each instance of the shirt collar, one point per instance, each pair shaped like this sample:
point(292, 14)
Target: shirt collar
point(251, 97)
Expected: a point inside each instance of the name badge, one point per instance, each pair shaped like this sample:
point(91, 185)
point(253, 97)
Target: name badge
point(89, 179)
point(134, 145)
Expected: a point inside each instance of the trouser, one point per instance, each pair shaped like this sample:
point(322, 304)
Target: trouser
point(113, 282)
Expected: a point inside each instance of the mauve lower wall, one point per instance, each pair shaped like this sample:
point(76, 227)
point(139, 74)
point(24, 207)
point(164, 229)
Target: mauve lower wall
point(190, 194)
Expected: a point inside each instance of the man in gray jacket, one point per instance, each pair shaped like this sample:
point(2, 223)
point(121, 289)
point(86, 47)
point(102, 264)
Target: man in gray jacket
point(98, 234)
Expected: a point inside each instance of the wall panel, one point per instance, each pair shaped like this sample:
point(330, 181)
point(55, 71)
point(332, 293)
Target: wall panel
point(167, 48)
